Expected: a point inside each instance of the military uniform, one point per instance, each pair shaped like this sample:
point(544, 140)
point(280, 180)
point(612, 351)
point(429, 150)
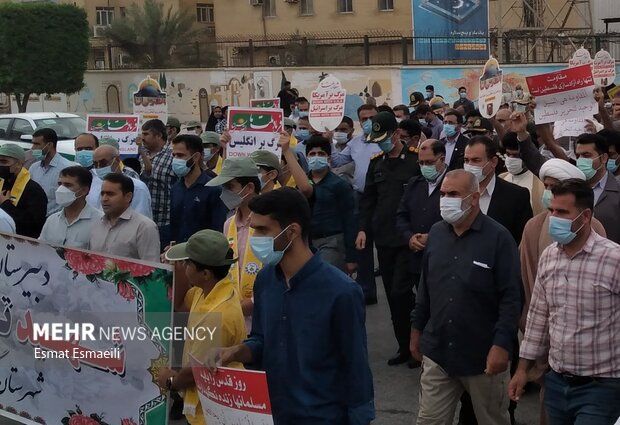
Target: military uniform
point(385, 184)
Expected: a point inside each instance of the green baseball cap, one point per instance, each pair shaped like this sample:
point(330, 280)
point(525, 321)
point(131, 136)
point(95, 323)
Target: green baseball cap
point(264, 158)
point(289, 123)
point(173, 122)
point(108, 141)
point(233, 168)
point(13, 151)
point(206, 247)
point(193, 124)
point(383, 126)
point(210, 138)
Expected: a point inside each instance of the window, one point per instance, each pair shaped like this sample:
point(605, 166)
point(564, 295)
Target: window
point(345, 6)
point(4, 126)
point(205, 13)
point(123, 12)
point(105, 15)
point(269, 7)
point(386, 4)
point(20, 127)
point(306, 8)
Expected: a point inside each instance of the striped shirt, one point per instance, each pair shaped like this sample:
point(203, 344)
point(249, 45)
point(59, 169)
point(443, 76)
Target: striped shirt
point(575, 310)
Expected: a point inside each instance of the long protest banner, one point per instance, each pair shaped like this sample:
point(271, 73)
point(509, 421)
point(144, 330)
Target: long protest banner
point(52, 369)
point(451, 30)
point(233, 396)
point(564, 94)
point(253, 129)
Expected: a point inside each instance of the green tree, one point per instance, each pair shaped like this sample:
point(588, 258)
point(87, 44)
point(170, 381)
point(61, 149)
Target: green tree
point(43, 49)
point(156, 38)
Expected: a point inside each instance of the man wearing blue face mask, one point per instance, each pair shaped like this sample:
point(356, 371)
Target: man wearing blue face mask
point(358, 152)
point(467, 308)
point(386, 180)
point(308, 316)
point(418, 211)
point(455, 141)
point(463, 101)
point(48, 166)
point(575, 314)
point(333, 223)
point(592, 156)
point(212, 153)
point(193, 206)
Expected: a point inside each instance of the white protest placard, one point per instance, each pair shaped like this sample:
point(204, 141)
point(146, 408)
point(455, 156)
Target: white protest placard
point(490, 93)
point(603, 69)
point(564, 94)
point(580, 57)
point(327, 104)
point(149, 102)
point(122, 128)
point(570, 128)
point(232, 396)
point(253, 129)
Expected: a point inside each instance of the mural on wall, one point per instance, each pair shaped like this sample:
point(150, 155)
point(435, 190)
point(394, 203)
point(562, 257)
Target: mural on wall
point(448, 80)
point(191, 95)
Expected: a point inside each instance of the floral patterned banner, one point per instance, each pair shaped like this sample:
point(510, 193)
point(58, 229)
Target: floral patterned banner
point(40, 283)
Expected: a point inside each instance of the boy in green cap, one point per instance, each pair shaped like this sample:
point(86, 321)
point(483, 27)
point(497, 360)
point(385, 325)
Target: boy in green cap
point(207, 258)
point(240, 184)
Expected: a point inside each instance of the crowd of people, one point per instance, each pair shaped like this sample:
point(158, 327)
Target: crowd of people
point(483, 229)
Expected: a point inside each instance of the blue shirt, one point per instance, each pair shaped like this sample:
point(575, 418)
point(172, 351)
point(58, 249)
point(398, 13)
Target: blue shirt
point(310, 338)
point(332, 212)
point(359, 152)
point(47, 177)
point(195, 208)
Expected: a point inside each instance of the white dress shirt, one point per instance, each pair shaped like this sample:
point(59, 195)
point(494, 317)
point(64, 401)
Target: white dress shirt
point(7, 224)
point(57, 231)
point(485, 196)
point(599, 187)
point(141, 201)
point(47, 177)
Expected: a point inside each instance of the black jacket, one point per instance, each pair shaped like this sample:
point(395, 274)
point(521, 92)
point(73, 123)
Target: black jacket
point(29, 213)
point(458, 156)
point(510, 206)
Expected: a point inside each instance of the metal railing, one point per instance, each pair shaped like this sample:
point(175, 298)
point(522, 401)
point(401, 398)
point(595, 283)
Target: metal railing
point(510, 48)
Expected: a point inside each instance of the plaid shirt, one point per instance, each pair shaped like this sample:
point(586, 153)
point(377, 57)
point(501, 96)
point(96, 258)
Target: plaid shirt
point(159, 183)
point(576, 309)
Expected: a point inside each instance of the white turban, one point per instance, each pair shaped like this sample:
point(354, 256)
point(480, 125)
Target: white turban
point(561, 170)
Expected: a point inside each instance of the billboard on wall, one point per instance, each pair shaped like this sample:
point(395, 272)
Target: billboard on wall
point(450, 29)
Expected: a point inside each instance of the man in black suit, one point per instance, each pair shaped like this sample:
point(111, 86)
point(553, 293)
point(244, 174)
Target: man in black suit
point(417, 212)
point(504, 202)
point(454, 141)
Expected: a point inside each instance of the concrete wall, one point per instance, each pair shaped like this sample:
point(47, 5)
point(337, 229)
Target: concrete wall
point(390, 85)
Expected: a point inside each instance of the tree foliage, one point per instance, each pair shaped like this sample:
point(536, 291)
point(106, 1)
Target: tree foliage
point(156, 38)
point(43, 49)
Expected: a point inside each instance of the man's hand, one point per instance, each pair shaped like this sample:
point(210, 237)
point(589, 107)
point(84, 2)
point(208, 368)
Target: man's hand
point(414, 345)
point(497, 360)
point(225, 138)
point(5, 195)
point(328, 134)
point(162, 257)
point(517, 383)
point(360, 242)
point(351, 268)
point(518, 122)
point(284, 142)
point(418, 242)
point(163, 376)
point(219, 357)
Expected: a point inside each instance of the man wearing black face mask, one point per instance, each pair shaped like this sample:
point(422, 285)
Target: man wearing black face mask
point(193, 206)
point(20, 197)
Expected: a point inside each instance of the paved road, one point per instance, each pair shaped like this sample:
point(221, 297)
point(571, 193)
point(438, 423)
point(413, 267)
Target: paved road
point(396, 387)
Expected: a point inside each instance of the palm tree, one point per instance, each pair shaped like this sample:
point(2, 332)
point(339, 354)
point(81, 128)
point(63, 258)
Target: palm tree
point(154, 38)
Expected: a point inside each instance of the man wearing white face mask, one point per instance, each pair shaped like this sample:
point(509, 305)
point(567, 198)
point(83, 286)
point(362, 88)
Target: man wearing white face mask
point(240, 184)
point(467, 308)
point(505, 202)
point(519, 174)
point(71, 226)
